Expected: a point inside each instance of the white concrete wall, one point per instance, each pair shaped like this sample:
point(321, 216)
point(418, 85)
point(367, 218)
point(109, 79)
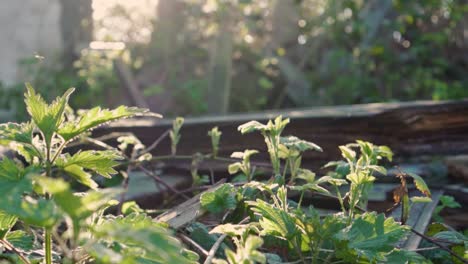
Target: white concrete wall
point(27, 27)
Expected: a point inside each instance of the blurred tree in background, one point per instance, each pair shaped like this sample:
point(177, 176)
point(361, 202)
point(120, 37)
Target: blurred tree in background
point(216, 56)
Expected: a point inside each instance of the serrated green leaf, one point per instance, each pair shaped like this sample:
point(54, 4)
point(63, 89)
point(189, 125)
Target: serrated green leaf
point(22, 136)
point(20, 239)
point(48, 118)
point(246, 154)
point(274, 221)
point(219, 200)
point(251, 127)
point(78, 207)
point(378, 169)
point(299, 144)
point(95, 117)
point(449, 201)
point(309, 186)
point(7, 221)
point(400, 256)
point(230, 229)
point(40, 212)
point(385, 152)
point(331, 180)
point(234, 167)
point(10, 170)
point(370, 235)
point(130, 207)
point(306, 175)
point(334, 164)
point(141, 241)
point(420, 184)
point(79, 174)
point(348, 153)
point(101, 162)
point(451, 237)
point(21, 133)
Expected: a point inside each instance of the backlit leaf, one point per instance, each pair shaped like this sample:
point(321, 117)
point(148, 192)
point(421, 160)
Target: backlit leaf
point(20, 239)
point(137, 239)
point(47, 117)
point(274, 221)
point(348, 153)
point(219, 200)
point(101, 162)
point(372, 236)
point(251, 126)
point(7, 221)
point(299, 144)
point(230, 229)
point(420, 184)
point(95, 117)
point(79, 174)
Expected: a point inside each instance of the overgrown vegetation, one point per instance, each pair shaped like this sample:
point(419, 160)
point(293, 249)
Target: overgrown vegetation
point(43, 217)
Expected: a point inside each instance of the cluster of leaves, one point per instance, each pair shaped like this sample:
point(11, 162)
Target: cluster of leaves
point(263, 223)
point(274, 221)
point(36, 196)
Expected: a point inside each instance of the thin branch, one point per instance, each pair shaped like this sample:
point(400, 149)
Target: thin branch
point(157, 178)
point(156, 142)
point(214, 248)
point(440, 245)
point(12, 248)
point(424, 249)
point(194, 244)
point(99, 143)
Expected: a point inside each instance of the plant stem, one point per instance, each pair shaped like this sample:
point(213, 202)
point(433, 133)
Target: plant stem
point(300, 200)
point(440, 245)
point(48, 245)
point(340, 199)
point(297, 246)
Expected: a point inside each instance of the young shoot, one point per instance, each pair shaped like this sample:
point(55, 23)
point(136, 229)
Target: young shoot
point(215, 136)
point(174, 134)
point(272, 134)
point(243, 166)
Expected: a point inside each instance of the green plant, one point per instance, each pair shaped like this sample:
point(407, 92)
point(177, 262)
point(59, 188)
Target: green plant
point(247, 245)
point(175, 133)
point(215, 136)
point(276, 221)
point(37, 196)
point(360, 170)
point(272, 135)
point(446, 201)
point(401, 196)
point(243, 166)
point(291, 149)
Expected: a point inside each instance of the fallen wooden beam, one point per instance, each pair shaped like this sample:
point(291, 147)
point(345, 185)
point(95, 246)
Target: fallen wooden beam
point(411, 129)
point(187, 212)
point(419, 218)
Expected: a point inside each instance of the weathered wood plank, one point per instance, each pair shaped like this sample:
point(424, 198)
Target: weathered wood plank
point(186, 212)
point(410, 129)
point(419, 217)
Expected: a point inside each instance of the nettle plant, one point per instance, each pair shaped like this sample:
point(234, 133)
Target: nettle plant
point(42, 219)
point(275, 228)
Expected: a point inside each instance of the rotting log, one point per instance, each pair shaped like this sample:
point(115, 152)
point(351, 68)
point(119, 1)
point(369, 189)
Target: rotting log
point(410, 129)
